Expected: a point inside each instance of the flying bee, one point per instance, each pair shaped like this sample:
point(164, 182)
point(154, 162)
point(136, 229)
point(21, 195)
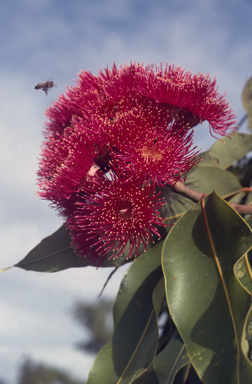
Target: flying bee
point(45, 86)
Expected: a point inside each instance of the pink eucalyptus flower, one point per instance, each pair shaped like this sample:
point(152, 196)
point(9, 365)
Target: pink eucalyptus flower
point(144, 145)
point(67, 164)
point(164, 159)
point(134, 122)
point(194, 97)
point(122, 212)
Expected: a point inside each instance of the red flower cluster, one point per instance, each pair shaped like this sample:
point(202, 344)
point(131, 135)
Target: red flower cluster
point(111, 139)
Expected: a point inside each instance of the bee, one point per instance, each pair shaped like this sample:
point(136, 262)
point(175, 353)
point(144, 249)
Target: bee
point(45, 86)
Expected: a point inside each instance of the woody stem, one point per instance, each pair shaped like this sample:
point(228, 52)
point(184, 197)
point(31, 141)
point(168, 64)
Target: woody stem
point(195, 196)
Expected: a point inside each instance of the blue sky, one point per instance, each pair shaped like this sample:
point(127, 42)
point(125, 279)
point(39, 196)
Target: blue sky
point(49, 39)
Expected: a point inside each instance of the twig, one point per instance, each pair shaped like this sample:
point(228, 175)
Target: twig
point(245, 189)
point(244, 209)
point(182, 189)
point(195, 196)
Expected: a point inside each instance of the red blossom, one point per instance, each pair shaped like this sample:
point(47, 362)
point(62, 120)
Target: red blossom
point(122, 212)
point(77, 101)
point(196, 96)
point(135, 122)
point(148, 148)
point(66, 165)
point(161, 158)
point(193, 96)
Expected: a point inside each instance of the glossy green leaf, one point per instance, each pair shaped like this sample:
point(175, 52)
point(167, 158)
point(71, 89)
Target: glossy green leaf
point(170, 360)
point(202, 178)
point(248, 336)
point(243, 268)
point(207, 302)
point(243, 271)
point(226, 151)
point(133, 345)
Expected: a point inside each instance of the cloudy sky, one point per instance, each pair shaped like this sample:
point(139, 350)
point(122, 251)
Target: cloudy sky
point(55, 39)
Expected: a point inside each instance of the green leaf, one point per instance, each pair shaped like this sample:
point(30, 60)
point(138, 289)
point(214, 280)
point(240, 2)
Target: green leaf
point(55, 253)
point(202, 178)
point(226, 151)
point(207, 178)
point(158, 298)
point(170, 360)
point(249, 222)
point(148, 377)
point(133, 345)
point(243, 270)
point(250, 122)
point(248, 335)
point(247, 98)
point(52, 254)
point(207, 302)
point(167, 364)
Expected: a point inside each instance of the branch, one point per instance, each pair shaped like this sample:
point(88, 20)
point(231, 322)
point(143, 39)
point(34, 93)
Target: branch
point(245, 209)
point(195, 196)
point(182, 189)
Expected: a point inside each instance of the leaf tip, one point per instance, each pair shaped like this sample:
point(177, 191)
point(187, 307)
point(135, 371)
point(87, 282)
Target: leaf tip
point(5, 269)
